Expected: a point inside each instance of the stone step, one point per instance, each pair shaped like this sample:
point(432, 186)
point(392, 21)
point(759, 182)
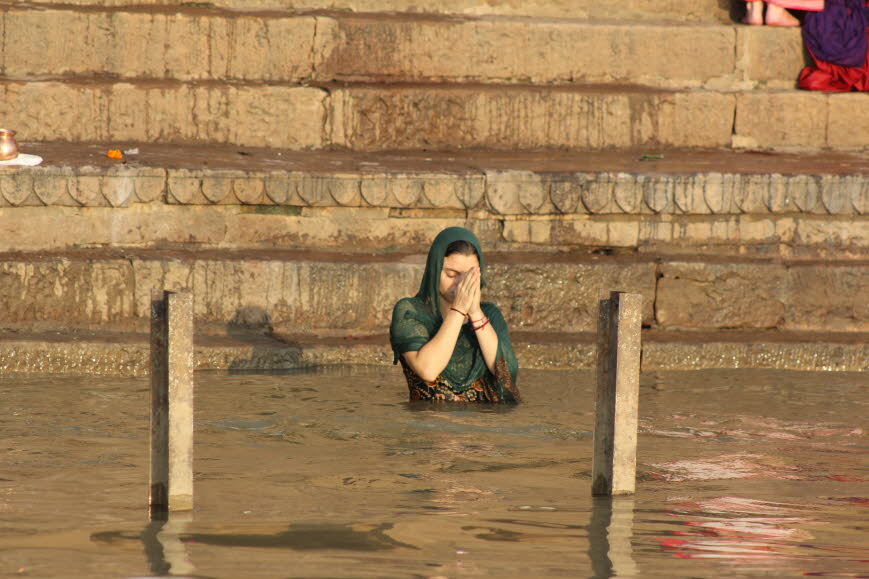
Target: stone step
point(675, 10)
point(310, 291)
point(792, 206)
point(73, 45)
point(432, 117)
point(127, 354)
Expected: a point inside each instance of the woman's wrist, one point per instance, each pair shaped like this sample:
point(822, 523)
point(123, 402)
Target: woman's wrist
point(476, 314)
point(458, 311)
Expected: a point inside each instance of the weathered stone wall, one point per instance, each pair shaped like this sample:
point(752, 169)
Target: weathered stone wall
point(674, 10)
point(355, 130)
point(189, 44)
point(305, 293)
point(796, 216)
point(188, 74)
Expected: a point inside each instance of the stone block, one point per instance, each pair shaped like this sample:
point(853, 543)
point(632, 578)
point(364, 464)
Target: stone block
point(628, 192)
point(692, 119)
point(828, 297)
point(589, 231)
point(544, 296)
point(657, 230)
point(535, 51)
point(598, 191)
point(515, 192)
point(33, 229)
point(59, 292)
point(525, 118)
point(335, 228)
point(323, 190)
point(269, 116)
point(52, 184)
point(721, 235)
point(805, 193)
point(781, 119)
point(541, 231)
point(718, 192)
point(179, 46)
point(770, 56)
point(149, 275)
point(528, 231)
point(17, 188)
point(841, 236)
point(697, 295)
point(848, 125)
point(38, 229)
point(689, 194)
point(839, 193)
point(754, 229)
point(565, 192)
point(303, 294)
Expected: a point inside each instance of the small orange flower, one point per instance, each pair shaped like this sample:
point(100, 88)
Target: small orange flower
point(115, 154)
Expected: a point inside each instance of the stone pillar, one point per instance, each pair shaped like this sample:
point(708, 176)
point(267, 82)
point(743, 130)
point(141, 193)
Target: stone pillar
point(614, 465)
point(171, 484)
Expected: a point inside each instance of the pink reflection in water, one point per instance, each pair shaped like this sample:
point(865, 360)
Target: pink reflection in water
point(726, 466)
point(738, 529)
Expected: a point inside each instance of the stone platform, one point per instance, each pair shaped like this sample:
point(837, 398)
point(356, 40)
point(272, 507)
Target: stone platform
point(656, 200)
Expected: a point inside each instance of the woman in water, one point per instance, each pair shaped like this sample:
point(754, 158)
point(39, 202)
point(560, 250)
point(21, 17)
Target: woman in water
point(452, 346)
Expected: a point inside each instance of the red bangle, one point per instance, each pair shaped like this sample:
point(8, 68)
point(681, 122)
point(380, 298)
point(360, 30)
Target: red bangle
point(460, 311)
point(482, 326)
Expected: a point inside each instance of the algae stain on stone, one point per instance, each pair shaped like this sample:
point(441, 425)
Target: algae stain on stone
point(284, 210)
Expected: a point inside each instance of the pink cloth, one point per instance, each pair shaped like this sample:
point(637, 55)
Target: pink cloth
point(812, 5)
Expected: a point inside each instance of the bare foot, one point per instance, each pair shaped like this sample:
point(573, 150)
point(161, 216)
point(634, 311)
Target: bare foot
point(778, 16)
point(753, 13)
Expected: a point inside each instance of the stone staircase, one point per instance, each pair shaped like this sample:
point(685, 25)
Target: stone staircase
point(295, 160)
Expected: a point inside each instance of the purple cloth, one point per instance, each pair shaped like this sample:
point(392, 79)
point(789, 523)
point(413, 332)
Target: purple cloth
point(837, 34)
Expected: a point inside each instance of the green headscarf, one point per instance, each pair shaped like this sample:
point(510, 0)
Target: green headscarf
point(416, 320)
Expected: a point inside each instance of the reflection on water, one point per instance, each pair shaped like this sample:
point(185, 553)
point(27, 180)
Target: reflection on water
point(167, 554)
point(609, 536)
point(332, 473)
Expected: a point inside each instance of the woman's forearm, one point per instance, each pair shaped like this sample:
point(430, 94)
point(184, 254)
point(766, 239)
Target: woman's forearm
point(432, 358)
point(488, 339)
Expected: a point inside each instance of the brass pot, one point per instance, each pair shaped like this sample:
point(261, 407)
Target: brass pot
point(8, 145)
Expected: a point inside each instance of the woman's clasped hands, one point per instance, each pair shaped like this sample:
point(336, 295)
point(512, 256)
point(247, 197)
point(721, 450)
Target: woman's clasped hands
point(468, 294)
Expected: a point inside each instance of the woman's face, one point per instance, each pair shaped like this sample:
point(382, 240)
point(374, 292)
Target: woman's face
point(456, 266)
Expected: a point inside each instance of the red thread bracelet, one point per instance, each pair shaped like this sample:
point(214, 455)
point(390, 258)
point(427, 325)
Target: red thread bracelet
point(483, 326)
point(460, 311)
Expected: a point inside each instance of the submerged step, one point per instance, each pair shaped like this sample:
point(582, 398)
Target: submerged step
point(128, 354)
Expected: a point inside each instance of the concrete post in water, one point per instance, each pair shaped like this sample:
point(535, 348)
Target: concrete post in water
point(614, 466)
point(171, 401)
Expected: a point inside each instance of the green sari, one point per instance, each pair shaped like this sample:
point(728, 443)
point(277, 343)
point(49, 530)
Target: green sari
point(416, 320)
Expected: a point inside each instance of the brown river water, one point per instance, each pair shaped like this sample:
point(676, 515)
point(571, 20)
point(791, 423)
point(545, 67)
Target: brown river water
point(332, 473)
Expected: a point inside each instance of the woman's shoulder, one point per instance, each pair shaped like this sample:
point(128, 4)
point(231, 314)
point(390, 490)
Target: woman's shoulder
point(411, 307)
point(408, 304)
